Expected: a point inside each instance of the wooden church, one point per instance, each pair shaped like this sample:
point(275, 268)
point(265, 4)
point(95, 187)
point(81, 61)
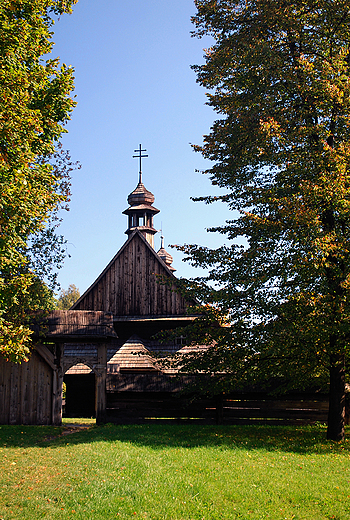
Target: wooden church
point(130, 288)
point(101, 348)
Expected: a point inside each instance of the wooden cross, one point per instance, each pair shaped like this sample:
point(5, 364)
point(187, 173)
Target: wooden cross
point(140, 156)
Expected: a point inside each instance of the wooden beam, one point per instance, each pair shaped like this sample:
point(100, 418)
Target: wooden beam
point(154, 319)
point(47, 355)
point(57, 387)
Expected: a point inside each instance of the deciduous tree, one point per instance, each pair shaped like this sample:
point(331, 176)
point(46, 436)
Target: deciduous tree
point(278, 76)
point(68, 297)
point(35, 102)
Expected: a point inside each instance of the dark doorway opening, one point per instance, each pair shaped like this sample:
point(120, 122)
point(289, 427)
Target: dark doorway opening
point(80, 395)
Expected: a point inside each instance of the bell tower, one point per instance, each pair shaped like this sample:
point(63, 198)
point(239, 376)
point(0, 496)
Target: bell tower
point(140, 212)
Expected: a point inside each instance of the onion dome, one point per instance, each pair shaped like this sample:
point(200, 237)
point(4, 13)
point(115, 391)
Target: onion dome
point(165, 256)
point(140, 195)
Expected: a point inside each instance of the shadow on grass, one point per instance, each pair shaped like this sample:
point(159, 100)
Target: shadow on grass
point(298, 439)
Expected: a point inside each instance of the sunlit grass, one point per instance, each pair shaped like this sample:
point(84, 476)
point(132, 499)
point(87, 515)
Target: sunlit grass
point(175, 472)
point(78, 420)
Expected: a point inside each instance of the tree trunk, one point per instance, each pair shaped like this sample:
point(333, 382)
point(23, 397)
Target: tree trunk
point(336, 414)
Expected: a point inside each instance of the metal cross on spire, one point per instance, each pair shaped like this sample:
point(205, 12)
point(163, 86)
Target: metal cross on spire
point(140, 156)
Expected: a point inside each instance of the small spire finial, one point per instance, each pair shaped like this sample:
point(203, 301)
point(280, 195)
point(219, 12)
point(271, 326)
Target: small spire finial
point(161, 237)
point(164, 255)
point(140, 156)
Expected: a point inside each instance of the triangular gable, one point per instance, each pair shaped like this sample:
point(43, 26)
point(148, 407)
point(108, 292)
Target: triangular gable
point(134, 356)
point(129, 285)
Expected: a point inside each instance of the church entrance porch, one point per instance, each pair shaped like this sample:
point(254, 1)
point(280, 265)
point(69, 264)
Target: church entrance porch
point(80, 398)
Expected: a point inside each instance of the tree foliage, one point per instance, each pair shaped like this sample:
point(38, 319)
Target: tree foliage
point(278, 76)
point(35, 102)
point(67, 297)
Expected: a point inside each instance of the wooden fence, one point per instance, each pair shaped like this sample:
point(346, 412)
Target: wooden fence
point(130, 407)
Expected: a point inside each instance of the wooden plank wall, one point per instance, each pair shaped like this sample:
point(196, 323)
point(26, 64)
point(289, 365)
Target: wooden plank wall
point(129, 286)
point(26, 392)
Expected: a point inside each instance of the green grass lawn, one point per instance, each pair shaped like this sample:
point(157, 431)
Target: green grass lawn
point(174, 472)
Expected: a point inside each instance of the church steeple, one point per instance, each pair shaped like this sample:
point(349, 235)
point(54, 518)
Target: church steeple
point(140, 212)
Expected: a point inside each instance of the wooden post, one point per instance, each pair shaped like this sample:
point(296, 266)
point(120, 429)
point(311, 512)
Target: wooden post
point(100, 374)
point(57, 386)
point(219, 408)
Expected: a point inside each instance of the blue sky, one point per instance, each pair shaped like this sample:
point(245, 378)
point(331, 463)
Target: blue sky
point(134, 85)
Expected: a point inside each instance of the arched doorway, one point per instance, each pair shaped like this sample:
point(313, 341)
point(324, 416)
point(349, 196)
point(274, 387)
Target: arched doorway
point(80, 386)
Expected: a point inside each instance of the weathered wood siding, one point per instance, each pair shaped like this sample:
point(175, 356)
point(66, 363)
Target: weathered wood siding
point(26, 392)
point(129, 285)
